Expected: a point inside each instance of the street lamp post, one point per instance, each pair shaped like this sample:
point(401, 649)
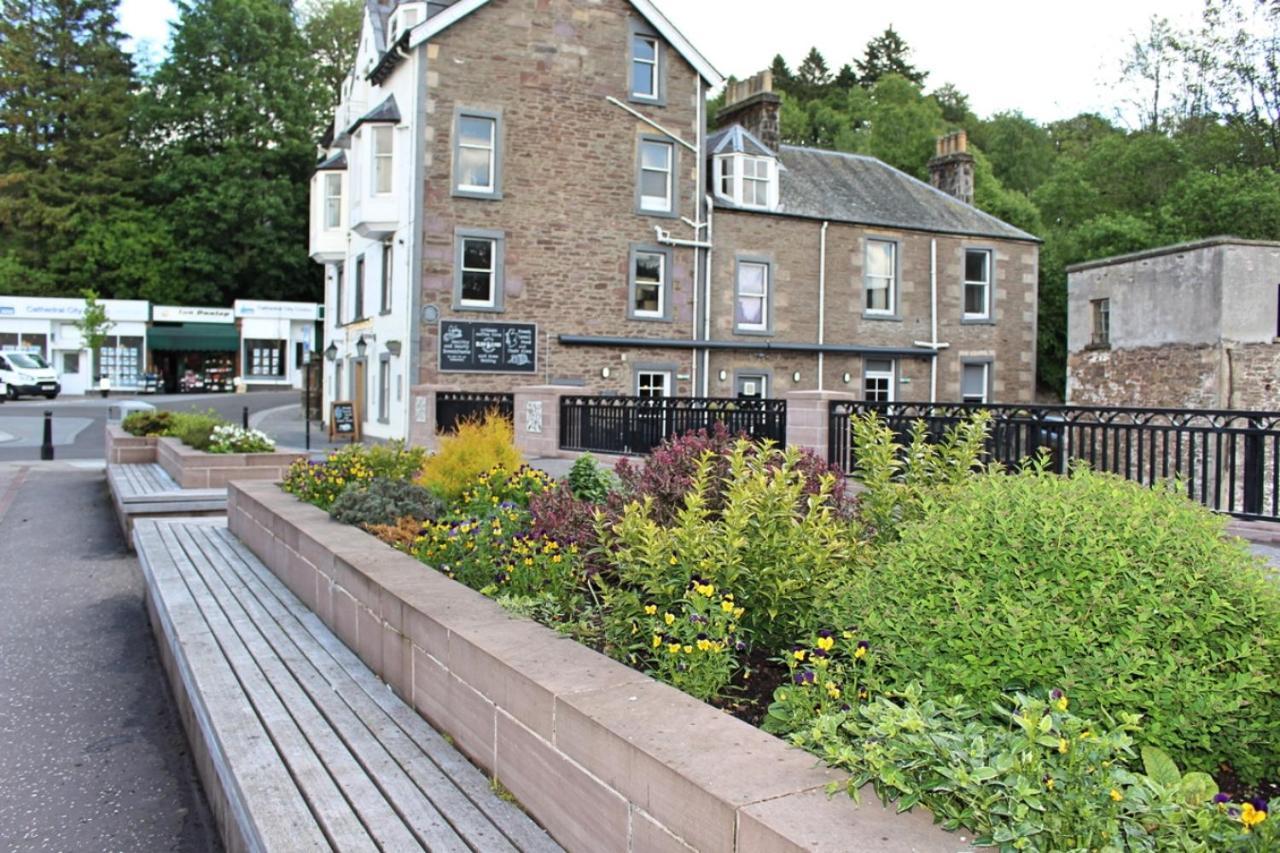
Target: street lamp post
point(306, 398)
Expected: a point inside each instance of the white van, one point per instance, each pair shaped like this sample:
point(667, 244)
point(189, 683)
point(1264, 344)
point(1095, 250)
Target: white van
point(28, 373)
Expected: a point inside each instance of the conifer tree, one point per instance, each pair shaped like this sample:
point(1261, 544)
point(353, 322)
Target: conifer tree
point(887, 54)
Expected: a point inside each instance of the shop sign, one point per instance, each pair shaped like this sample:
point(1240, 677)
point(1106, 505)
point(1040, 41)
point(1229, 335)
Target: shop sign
point(191, 314)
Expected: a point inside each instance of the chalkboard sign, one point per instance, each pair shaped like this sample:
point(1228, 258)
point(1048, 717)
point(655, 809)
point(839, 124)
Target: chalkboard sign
point(343, 421)
point(474, 347)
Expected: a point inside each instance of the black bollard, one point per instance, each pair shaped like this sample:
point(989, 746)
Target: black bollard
point(46, 448)
point(244, 418)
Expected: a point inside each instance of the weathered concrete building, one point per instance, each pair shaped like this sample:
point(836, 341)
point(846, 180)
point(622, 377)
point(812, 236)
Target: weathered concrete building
point(1196, 325)
point(545, 200)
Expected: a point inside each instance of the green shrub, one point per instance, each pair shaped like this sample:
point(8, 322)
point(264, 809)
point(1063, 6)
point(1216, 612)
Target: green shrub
point(155, 422)
point(694, 645)
point(384, 501)
point(781, 553)
point(589, 481)
point(1039, 778)
point(195, 429)
point(476, 447)
point(320, 483)
point(1126, 597)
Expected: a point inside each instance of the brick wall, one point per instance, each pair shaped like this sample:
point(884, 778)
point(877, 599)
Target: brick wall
point(1170, 376)
point(793, 244)
point(1255, 376)
point(568, 182)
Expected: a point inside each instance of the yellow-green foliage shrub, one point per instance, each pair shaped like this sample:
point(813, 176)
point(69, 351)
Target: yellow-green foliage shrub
point(476, 447)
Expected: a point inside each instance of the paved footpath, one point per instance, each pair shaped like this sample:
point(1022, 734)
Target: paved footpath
point(92, 752)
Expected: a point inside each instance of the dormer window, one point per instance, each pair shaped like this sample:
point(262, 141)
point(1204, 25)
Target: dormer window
point(332, 201)
point(747, 180)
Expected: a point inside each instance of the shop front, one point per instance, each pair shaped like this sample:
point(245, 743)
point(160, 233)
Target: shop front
point(193, 349)
point(46, 326)
point(274, 336)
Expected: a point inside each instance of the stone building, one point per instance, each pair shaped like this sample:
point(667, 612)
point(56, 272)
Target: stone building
point(541, 197)
point(1195, 325)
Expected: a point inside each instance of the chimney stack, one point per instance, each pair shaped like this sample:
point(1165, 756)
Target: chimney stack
point(951, 169)
point(753, 104)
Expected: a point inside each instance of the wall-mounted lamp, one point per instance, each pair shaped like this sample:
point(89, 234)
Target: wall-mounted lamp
point(847, 378)
point(724, 374)
point(795, 377)
point(604, 372)
point(361, 347)
point(331, 351)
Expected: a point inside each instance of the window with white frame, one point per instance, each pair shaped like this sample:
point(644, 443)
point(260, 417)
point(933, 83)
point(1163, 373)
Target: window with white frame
point(382, 162)
point(479, 273)
point(977, 284)
point(653, 383)
point(332, 200)
point(655, 175)
point(755, 181)
point(974, 382)
point(477, 153)
point(752, 386)
point(384, 390)
point(649, 276)
point(880, 275)
point(384, 301)
point(727, 187)
point(644, 66)
point(877, 380)
point(751, 312)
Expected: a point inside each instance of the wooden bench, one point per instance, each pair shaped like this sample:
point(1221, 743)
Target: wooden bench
point(299, 745)
point(147, 491)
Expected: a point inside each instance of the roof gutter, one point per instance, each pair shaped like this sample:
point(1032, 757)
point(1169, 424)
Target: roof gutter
point(749, 346)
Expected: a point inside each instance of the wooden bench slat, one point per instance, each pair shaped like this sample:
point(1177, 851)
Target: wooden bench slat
point(340, 823)
point(271, 644)
point(468, 786)
point(257, 786)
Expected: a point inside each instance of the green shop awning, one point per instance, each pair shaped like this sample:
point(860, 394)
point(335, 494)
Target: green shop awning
point(194, 337)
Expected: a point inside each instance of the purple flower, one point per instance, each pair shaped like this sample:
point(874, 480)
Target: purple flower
point(1055, 694)
point(819, 653)
point(1221, 798)
point(863, 644)
point(740, 646)
point(1259, 803)
point(823, 632)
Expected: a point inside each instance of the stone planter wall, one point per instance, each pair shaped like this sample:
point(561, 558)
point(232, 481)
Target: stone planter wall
point(125, 449)
point(195, 469)
point(606, 758)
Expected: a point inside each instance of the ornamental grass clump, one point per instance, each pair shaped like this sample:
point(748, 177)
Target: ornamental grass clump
point(1128, 598)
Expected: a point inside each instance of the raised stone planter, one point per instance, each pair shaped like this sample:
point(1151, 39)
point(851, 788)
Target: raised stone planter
point(125, 449)
point(606, 758)
point(195, 469)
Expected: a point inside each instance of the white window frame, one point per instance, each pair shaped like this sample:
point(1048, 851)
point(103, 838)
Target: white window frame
point(492, 270)
point(762, 378)
point(763, 325)
point(661, 284)
point(656, 204)
point(986, 381)
point(332, 201)
point(382, 147)
point(491, 148)
point(384, 390)
point(892, 280)
point(654, 94)
point(985, 284)
point(888, 377)
point(641, 375)
point(731, 180)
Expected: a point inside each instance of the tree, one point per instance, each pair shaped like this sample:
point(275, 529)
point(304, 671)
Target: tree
point(66, 152)
point(813, 76)
point(782, 79)
point(93, 325)
point(903, 126)
point(231, 117)
point(887, 54)
point(1150, 65)
point(331, 29)
point(846, 78)
point(954, 105)
point(1021, 151)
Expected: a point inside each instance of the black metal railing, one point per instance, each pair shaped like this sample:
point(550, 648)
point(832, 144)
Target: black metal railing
point(1229, 461)
point(452, 407)
point(636, 425)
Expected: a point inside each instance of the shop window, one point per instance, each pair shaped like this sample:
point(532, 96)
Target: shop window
point(264, 358)
point(70, 363)
point(120, 360)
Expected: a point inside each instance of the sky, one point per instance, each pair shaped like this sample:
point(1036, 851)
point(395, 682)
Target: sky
point(1050, 60)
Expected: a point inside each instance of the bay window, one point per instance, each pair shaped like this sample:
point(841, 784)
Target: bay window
point(382, 158)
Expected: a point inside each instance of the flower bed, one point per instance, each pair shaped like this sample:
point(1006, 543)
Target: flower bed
point(747, 577)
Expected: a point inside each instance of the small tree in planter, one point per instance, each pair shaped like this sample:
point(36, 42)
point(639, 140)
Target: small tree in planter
point(94, 327)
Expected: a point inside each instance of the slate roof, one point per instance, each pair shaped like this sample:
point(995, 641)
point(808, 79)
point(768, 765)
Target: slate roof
point(333, 163)
point(859, 189)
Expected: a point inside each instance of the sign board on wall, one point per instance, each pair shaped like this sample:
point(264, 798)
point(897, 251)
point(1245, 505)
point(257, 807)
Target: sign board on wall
point(277, 310)
point(191, 314)
point(480, 347)
point(55, 308)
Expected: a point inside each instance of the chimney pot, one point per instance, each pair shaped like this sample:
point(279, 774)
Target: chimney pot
point(951, 169)
point(753, 104)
